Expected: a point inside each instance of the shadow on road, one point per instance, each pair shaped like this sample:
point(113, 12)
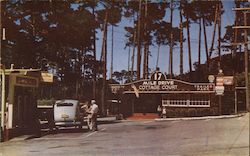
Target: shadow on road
point(46, 128)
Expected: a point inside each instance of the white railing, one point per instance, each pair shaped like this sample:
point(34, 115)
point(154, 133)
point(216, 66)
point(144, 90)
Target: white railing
point(186, 103)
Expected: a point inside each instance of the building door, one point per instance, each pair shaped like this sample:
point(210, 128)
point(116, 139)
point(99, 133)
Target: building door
point(24, 109)
point(147, 103)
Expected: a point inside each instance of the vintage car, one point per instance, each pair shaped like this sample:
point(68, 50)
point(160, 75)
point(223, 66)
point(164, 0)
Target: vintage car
point(67, 113)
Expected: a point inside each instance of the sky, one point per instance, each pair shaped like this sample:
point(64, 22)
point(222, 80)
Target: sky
point(121, 55)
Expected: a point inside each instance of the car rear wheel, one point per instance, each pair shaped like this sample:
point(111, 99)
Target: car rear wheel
point(80, 127)
point(56, 129)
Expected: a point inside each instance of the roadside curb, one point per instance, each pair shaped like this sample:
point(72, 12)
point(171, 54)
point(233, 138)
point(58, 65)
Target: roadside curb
point(201, 118)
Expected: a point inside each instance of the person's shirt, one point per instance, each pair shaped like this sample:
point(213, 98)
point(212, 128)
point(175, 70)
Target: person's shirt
point(94, 109)
point(164, 111)
point(159, 108)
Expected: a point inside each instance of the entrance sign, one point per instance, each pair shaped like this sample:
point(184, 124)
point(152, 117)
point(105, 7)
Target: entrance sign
point(169, 85)
point(224, 80)
point(219, 81)
point(162, 85)
point(228, 80)
point(219, 90)
point(26, 81)
point(211, 78)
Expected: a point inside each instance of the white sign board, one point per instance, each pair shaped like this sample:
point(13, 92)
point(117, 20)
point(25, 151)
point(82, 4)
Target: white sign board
point(211, 78)
point(219, 90)
point(46, 77)
point(228, 80)
point(219, 81)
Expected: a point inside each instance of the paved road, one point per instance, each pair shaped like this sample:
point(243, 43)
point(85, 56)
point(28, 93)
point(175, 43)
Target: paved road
point(210, 137)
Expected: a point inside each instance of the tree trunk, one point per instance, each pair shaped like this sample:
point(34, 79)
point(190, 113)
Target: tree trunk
point(77, 88)
point(112, 48)
point(145, 38)
point(147, 72)
point(171, 42)
point(133, 51)
point(144, 61)
point(94, 54)
point(129, 59)
point(81, 73)
point(215, 23)
point(104, 54)
point(158, 55)
point(205, 39)
point(199, 46)
point(189, 47)
point(181, 42)
point(138, 72)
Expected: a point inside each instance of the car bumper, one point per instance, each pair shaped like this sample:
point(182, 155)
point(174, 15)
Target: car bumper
point(68, 124)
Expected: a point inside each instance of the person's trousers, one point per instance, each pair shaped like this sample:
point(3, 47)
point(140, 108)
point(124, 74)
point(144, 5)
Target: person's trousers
point(94, 122)
point(89, 123)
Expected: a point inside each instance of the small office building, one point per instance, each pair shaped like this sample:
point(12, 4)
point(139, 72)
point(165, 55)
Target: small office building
point(20, 108)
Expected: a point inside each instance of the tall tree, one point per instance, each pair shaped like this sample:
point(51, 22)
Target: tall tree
point(214, 31)
point(188, 11)
point(171, 41)
point(138, 71)
point(181, 38)
point(42, 39)
point(145, 39)
point(208, 13)
point(199, 46)
point(110, 8)
point(151, 14)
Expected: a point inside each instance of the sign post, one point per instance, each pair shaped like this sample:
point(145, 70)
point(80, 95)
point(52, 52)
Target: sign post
point(2, 102)
point(219, 88)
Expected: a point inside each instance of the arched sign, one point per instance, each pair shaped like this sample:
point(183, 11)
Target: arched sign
point(158, 83)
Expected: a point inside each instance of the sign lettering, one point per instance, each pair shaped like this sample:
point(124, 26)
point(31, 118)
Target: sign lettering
point(26, 81)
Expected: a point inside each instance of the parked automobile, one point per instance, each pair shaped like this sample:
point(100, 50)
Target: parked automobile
point(67, 113)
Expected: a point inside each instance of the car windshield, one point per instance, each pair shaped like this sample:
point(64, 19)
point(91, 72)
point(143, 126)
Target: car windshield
point(64, 104)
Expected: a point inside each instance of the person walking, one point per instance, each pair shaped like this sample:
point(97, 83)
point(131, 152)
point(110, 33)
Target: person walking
point(164, 112)
point(159, 110)
point(87, 112)
point(93, 110)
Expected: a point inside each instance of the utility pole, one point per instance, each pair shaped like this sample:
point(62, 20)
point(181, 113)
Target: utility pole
point(2, 67)
point(112, 52)
point(104, 60)
point(246, 28)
